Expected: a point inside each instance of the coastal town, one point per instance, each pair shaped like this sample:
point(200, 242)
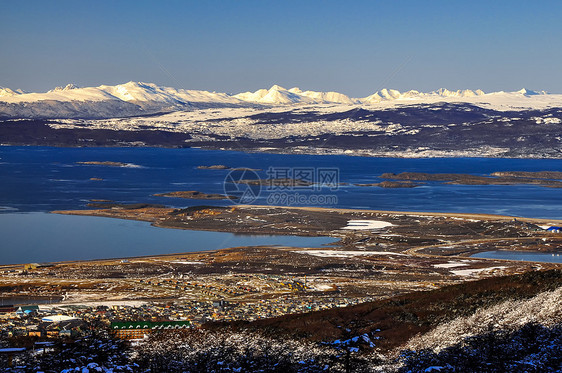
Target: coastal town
point(133, 321)
point(378, 255)
point(373, 257)
point(280, 187)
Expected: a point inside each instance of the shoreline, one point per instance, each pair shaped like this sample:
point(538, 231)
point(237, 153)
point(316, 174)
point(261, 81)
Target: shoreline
point(413, 213)
point(403, 252)
point(334, 224)
point(321, 152)
point(336, 219)
point(463, 215)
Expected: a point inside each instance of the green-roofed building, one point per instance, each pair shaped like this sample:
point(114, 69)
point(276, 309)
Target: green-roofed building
point(138, 329)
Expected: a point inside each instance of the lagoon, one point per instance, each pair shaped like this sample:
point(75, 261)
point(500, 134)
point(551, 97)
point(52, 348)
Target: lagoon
point(42, 237)
point(520, 255)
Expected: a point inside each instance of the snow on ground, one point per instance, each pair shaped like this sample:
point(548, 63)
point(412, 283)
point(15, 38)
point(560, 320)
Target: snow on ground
point(198, 108)
point(185, 262)
point(463, 219)
point(450, 265)
point(86, 303)
point(231, 123)
point(343, 253)
point(543, 308)
point(148, 95)
point(474, 271)
point(131, 165)
point(57, 318)
point(322, 287)
point(367, 224)
point(136, 92)
point(94, 303)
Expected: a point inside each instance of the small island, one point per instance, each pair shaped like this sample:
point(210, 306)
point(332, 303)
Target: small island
point(214, 167)
point(280, 182)
point(223, 167)
point(193, 194)
point(391, 184)
point(104, 163)
point(550, 179)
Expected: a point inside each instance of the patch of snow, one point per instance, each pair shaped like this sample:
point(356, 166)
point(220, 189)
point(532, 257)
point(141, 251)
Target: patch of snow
point(367, 224)
point(450, 265)
point(185, 262)
point(57, 318)
point(343, 253)
point(474, 271)
point(543, 308)
point(323, 287)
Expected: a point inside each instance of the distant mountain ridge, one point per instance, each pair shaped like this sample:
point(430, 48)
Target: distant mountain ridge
point(138, 98)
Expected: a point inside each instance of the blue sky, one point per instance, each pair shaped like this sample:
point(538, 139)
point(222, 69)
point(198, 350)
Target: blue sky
point(354, 47)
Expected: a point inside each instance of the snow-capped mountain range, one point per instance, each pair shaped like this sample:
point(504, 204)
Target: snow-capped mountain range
point(137, 98)
point(387, 123)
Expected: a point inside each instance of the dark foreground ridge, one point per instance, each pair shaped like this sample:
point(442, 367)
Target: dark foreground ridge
point(402, 317)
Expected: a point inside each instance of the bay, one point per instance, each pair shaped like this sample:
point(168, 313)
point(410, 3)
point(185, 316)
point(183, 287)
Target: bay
point(42, 237)
point(45, 179)
point(36, 180)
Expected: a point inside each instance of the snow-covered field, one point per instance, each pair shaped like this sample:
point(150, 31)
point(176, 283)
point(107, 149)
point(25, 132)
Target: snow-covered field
point(367, 224)
point(450, 265)
point(475, 271)
point(343, 253)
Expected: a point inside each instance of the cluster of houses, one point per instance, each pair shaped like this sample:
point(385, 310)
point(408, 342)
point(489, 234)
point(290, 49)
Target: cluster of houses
point(220, 290)
point(31, 321)
point(130, 321)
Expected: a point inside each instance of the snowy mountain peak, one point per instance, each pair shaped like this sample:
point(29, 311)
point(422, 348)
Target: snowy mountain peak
point(443, 92)
point(276, 87)
point(67, 87)
point(328, 97)
point(139, 98)
point(528, 92)
point(392, 94)
point(6, 92)
point(278, 95)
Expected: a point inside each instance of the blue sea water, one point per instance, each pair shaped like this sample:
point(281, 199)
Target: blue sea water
point(36, 180)
point(45, 179)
